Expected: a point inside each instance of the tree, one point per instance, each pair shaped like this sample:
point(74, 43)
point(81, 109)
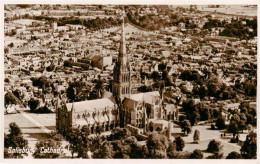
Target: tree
point(7, 80)
point(33, 104)
point(48, 144)
point(179, 143)
point(157, 145)
point(214, 146)
point(203, 90)
point(155, 75)
point(191, 110)
point(120, 133)
point(250, 88)
point(204, 112)
point(196, 136)
point(145, 88)
point(17, 93)
point(15, 140)
point(250, 119)
point(233, 128)
point(186, 75)
point(242, 125)
point(99, 87)
point(50, 68)
point(196, 154)
point(215, 156)
point(75, 141)
point(234, 155)
point(137, 150)
point(235, 118)
point(171, 150)
point(248, 150)
point(162, 67)
point(164, 74)
point(77, 91)
point(194, 117)
point(41, 82)
point(10, 98)
point(220, 123)
point(186, 126)
point(213, 86)
point(43, 109)
point(121, 150)
point(105, 152)
point(180, 57)
point(11, 45)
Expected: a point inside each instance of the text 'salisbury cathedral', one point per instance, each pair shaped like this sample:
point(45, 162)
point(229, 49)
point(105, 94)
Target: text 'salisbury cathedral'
point(139, 112)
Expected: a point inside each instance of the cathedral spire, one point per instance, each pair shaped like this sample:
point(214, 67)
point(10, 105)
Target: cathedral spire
point(122, 70)
point(122, 48)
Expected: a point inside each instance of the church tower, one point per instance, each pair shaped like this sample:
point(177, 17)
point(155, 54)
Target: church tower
point(122, 72)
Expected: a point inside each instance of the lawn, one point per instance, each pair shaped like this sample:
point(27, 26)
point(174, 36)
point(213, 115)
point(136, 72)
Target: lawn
point(30, 131)
point(206, 135)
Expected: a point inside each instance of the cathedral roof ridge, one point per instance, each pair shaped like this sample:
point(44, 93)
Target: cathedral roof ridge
point(91, 105)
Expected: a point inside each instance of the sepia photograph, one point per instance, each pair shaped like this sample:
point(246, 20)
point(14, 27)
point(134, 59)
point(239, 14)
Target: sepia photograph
point(130, 81)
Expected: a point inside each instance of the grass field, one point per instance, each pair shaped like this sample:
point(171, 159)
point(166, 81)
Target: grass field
point(31, 131)
point(206, 135)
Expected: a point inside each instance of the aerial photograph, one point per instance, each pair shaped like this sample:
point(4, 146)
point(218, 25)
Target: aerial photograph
point(107, 81)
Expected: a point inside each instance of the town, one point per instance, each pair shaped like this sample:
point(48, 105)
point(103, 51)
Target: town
point(130, 81)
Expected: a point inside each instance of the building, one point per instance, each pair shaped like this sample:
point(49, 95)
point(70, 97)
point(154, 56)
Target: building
point(138, 111)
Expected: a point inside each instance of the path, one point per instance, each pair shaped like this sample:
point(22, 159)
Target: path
point(43, 128)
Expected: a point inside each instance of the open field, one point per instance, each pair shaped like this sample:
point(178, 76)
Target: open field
point(25, 21)
point(31, 131)
point(232, 9)
point(206, 135)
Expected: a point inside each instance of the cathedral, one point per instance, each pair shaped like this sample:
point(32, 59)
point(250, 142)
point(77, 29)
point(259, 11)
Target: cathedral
point(140, 112)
